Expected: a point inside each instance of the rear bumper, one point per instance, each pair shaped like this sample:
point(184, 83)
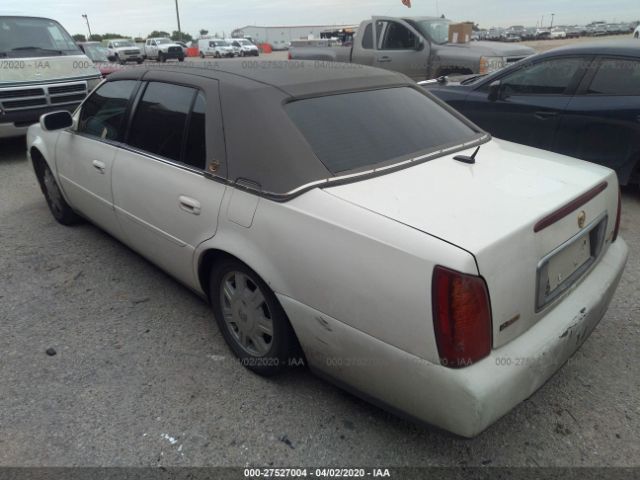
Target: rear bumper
point(468, 400)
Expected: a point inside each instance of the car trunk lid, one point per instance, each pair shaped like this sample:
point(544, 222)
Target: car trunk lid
point(491, 209)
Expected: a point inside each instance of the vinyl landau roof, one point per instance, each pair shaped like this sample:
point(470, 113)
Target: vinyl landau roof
point(261, 147)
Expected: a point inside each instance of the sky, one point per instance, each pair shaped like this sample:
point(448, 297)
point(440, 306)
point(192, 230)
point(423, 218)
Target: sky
point(140, 17)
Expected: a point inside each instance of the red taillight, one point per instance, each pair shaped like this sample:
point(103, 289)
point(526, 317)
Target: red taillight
point(461, 317)
point(617, 227)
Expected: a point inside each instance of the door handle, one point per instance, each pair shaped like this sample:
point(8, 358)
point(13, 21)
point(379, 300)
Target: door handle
point(98, 165)
point(384, 59)
point(544, 115)
point(189, 205)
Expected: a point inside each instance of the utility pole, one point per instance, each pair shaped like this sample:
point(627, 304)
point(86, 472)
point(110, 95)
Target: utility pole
point(86, 17)
point(178, 16)
point(552, 17)
point(542, 22)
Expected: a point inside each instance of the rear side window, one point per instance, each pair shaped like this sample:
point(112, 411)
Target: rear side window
point(103, 113)
point(550, 77)
point(357, 130)
point(616, 77)
point(195, 152)
point(159, 123)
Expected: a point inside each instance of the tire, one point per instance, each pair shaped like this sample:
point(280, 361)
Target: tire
point(217, 55)
point(250, 318)
point(120, 61)
point(140, 60)
point(58, 206)
point(162, 58)
point(201, 55)
point(181, 59)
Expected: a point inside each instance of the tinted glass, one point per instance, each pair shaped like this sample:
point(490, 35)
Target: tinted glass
point(160, 119)
point(34, 37)
point(545, 78)
point(398, 37)
point(357, 130)
point(367, 37)
point(617, 77)
point(103, 113)
point(195, 153)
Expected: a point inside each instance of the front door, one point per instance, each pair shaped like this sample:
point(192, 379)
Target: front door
point(399, 47)
point(85, 155)
point(530, 102)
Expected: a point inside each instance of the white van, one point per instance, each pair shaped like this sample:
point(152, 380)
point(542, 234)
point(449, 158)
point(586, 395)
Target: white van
point(214, 47)
point(41, 69)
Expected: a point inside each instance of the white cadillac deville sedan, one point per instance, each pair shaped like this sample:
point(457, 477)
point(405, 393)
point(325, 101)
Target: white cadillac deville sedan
point(345, 212)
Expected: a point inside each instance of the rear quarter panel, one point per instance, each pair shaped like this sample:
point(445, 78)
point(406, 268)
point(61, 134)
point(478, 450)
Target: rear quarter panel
point(358, 267)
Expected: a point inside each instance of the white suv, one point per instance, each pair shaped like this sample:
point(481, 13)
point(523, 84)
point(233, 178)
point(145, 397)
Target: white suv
point(215, 47)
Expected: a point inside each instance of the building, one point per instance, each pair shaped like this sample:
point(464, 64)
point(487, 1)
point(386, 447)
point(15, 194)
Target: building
point(279, 37)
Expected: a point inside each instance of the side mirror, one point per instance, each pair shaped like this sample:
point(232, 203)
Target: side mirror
point(495, 91)
point(56, 120)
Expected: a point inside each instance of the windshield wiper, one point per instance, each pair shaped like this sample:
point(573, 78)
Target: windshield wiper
point(466, 81)
point(59, 52)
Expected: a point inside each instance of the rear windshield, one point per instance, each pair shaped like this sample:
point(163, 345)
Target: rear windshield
point(354, 131)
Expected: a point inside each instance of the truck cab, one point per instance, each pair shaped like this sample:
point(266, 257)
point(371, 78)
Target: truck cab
point(41, 70)
point(418, 47)
point(163, 49)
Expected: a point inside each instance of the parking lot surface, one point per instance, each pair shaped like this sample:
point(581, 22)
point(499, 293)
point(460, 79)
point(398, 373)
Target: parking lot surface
point(142, 377)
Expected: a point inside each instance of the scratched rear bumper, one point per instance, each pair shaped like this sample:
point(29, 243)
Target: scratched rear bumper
point(468, 400)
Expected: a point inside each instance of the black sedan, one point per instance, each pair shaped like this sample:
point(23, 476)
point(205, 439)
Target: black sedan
point(582, 101)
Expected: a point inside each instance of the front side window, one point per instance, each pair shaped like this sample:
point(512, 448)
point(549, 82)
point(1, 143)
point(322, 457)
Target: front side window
point(551, 77)
point(616, 77)
point(160, 120)
point(359, 130)
point(103, 113)
point(398, 37)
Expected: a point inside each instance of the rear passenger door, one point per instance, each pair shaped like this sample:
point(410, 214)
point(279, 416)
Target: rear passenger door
point(602, 122)
point(164, 198)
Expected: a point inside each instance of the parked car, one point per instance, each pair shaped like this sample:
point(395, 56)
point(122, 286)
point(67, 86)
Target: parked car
point(41, 69)
point(573, 32)
point(163, 49)
point(124, 50)
point(418, 47)
point(348, 239)
point(582, 101)
point(243, 47)
point(558, 33)
point(99, 55)
point(212, 47)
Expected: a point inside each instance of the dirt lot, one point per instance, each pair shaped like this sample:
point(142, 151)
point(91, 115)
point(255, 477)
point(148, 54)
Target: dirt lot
point(142, 377)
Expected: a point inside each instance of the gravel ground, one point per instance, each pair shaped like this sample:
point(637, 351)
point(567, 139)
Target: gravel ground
point(142, 377)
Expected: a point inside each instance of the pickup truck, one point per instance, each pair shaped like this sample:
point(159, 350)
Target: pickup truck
point(162, 49)
point(418, 47)
point(41, 70)
point(123, 50)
